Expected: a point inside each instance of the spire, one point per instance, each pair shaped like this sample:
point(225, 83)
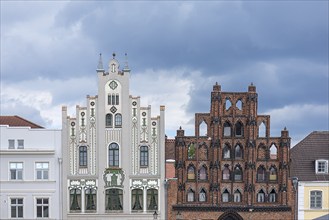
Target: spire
point(126, 68)
point(100, 64)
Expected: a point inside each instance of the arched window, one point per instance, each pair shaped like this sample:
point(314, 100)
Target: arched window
point(227, 129)
point(226, 173)
point(261, 174)
point(118, 120)
point(202, 196)
point(237, 196)
point(137, 199)
point(114, 155)
point(238, 152)
point(144, 156)
point(109, 120)
point(226, 196)
point(237, 174)
point(203, 173)
point(273, 152)
point(152, 199)
point(272, 197)
point(228, 104)
point(239, 104)
point(191, 173)
point(261, 196)
point(90, 199)
point(75, 199)
point(273, 174)
point(113, 199)
point(238, 129)
point(190, 195)
point(82, 156)
point(262, 130)
point(226, 152)
point(191, 151)
point(203, 129)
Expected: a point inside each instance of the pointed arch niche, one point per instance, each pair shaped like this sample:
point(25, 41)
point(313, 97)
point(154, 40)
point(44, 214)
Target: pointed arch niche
point(203, 129)
point(262, 130)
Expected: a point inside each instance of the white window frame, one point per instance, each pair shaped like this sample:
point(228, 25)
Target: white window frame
point(42, 205)
point(42, 170)
point(316, 190)
point(10, 205)
point(16, 176)
point(317, 162)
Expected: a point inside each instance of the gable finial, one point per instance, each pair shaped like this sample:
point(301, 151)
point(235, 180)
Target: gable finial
point(100, 64)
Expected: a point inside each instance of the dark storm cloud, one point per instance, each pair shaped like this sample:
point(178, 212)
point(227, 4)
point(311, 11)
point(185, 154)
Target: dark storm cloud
point(280, 46)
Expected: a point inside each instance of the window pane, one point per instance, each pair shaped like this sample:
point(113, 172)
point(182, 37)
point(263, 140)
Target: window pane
point(19, 175)
point(20, 211)
point(13, 211)
point(39, 211)
point(11, 144)
point(12, 174)
point(45, 174)
point(45, 211)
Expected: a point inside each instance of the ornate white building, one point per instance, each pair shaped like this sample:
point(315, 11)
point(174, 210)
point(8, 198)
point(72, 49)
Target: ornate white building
point(113, 154)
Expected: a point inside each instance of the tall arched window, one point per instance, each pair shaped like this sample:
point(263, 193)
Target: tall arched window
point(237, 196)
point(75, 199)
point(272, 196)
point(228, 104)
point(237, 174)
point(227, 129)
point(273, 152)
point(238, 152)
point(226, 152)
point(113, 199)
point(273, 174)
point(109, 120)
point(152, 199)
point(238, 129)
point(203, 129)
point(190, 195)
point(203, 173)
point(118, 120)
point(226, 196)
point(202, 195)
point(191, 151)
point(144, 156)
point(190, 173)
point(261, 174)
point(261, 196)
point(90, 199)
point(239, 104)
point(226, 173)
point(262, 130)
point(82, 156)
point(137, 199)
point(114, 155)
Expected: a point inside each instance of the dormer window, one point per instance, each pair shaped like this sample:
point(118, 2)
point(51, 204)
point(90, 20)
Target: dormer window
point(321, 166)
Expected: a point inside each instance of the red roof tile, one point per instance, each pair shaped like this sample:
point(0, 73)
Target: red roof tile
point(16, 121)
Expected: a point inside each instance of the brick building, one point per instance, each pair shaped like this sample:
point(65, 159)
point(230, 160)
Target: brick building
point(231, 168)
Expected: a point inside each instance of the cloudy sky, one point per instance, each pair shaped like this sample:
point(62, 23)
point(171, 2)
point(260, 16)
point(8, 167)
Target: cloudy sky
point(176, 51)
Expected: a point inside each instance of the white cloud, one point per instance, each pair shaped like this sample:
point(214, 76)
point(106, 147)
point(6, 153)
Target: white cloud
point(300, 120)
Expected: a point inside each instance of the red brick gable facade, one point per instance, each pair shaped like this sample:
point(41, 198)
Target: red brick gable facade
point(236, 170)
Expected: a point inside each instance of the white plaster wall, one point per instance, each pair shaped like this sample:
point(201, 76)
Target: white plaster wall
point(40, 145)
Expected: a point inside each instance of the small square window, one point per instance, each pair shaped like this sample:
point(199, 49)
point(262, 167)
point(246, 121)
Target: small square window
point(321, 166)
point(11, 144)
point(20, 144)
